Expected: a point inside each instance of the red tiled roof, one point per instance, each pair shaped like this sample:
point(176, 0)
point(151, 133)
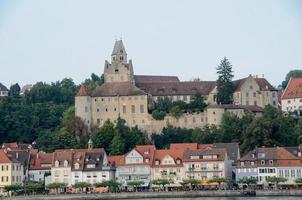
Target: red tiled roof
point(116, 160)
point(177, 88)
point(40, 161)
point(204, 146)
point(159, 155)
point(82, 91)
point(16, 146)
point(183, 146)
point(293, 89)
point(4, 158)
point(221, 152)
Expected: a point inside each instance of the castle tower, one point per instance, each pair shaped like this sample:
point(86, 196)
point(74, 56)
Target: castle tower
point(120, 69)
point(83, 106)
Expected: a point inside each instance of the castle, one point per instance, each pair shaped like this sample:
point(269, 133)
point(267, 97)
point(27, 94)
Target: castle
point(129, 96)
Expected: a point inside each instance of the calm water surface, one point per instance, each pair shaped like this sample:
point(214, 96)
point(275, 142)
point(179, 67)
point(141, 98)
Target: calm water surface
point(233, 198)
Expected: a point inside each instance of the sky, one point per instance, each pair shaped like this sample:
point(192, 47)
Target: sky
point(52, 39)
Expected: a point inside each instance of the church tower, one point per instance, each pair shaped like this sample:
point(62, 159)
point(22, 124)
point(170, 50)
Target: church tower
point(120, 69)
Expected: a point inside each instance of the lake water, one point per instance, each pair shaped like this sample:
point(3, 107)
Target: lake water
point(233, 198)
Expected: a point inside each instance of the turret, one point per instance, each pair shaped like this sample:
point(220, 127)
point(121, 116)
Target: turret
point(83, 106)
point(119, 70)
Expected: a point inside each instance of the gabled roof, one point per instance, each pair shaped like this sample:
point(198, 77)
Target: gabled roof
point(116, 160)
point(117, 89)
point(4, 158)
point(152, 79)
point(159, 155)
point(262, 82)
point(23, 156)
point(82, 91)
point(118, 47)
point(183, 146)
point(293, 89)
point(40, 161)
point(16, 146)
point(177, 88)
point(269, 153)
point(3, 88)
point(220, 152)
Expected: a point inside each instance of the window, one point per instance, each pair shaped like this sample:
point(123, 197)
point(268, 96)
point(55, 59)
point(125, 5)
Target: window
point(247, 94)
point(86, 109)
point(65, 163)
point(57, 163)
point(76, 165)
point(254, 94)
point(292, 173)
point(271, 162)
point(288, 101)
point(252, 163)
point(262, 162)
point(124, 109)
point(251, 87)
point(133, 108)
point(273, 94)
point(98, 110)
point(142, 108)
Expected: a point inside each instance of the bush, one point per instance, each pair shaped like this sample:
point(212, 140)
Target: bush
point(158, 115)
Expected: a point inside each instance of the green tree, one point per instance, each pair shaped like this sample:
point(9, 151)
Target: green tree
point(276, 180)
point(249, 181)
point(135, 183)
point(298, 181)
point(224, 82)
point(218, 180)
point(103, 136)
point(14, 90)
point(81, 185)
point(158, 115)
point(56, 186)
point(13, 188)
point(191, 182)
point(117, 145)
point(291, 74)
point(34, 187)
point(197, 103)
point(162, 182)
point(176, 112)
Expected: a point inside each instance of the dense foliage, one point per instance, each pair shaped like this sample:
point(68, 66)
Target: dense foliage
point(272, 129)
point(165, 105)
point(45, 114)
point(118, 139)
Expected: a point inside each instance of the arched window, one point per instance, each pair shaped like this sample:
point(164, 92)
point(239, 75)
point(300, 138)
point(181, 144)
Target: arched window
point(57, 163)
point(76, 165)
point(65, 163)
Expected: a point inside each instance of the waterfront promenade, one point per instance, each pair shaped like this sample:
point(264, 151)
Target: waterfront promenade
point(160, 195)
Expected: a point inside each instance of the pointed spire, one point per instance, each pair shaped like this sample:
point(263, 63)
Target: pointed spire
point(119, 48)
point(82, 91)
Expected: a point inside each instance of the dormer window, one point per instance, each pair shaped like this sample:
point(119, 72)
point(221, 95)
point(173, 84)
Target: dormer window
point(65, 163)
point(76, 165)
point(271, 162)
point(91, 166)
point(157, 162)
point(178, 161)
point(147, 160)
point(57, 163)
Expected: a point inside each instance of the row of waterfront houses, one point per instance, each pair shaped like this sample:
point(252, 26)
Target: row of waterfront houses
point(22, 163)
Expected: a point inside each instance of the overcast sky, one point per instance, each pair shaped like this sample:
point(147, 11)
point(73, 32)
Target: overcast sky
point(50, 40)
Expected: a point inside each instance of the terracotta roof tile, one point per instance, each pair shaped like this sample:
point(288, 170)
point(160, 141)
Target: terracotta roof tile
point(293, 89)
point(82, 91)
point(177, 88)
point(117, 160)
point(4, 158)
point(40, 161)
point(183, 146)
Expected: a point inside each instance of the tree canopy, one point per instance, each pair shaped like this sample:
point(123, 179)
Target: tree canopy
point(224, 82)
point(291, 74)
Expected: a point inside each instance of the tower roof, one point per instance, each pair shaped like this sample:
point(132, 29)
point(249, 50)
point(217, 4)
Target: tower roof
point(82, 91)
point(118, 48)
